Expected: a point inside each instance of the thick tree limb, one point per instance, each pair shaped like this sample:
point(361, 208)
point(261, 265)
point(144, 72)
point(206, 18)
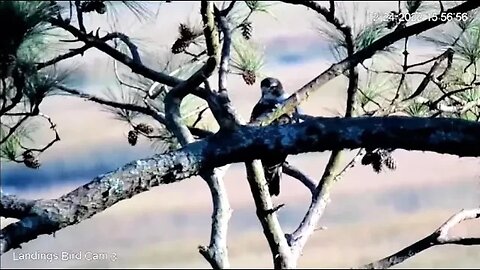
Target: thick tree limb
point(441, 135)
point(438, 237)
point(358, 57)
point(13, 207)
point(175, 96)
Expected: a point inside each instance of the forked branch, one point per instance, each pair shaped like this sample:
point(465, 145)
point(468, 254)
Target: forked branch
point(438, 237)
point(442, 135)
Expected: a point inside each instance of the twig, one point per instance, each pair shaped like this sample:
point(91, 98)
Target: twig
point(297, 174)
point(80, 16)
point(404, 69)
point(52, 142)
point(423, 84)
point(199, 116)
point(339, 68)
point(77, 51)
point(119, 79)
point(132, 48)
point(438, 237)
point(148, 110)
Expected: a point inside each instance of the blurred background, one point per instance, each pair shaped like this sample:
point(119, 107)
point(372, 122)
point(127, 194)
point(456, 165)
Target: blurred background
point(371, 215)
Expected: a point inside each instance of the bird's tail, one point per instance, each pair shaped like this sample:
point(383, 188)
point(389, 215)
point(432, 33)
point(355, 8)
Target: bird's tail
point(273, 176)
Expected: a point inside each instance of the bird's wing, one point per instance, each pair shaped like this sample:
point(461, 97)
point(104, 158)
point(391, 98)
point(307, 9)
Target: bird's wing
point(261, 108)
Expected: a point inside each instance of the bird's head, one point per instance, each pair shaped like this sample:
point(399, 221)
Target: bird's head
point(272, 90)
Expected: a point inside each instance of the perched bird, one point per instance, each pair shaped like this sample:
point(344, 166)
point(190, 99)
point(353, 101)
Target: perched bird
point(272, 95)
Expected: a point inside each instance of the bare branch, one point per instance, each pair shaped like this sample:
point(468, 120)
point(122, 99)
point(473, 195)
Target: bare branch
point(117, 55)
point(225, 57)
point(209, 31)
point(423, 84)
point(342, 66)
point(281, 252)
point(320, 196)
point(148, 110)
point(80, 16)
point(175, 96)
point(132, 47)
point(216, 253)
point(320, 199)
point(297, 174)
point(438, 237)
point(75, 52)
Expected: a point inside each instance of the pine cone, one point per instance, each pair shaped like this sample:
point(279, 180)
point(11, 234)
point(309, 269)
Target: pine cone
point(185, 32)
point(378, 158)
point(180, 46)
point(373, 158)
point(144, 128)
point(367, 159)
point(29, 160)
point(377, 165)
point(246, 29)
point(390, 163)
point(249, 77)
point(132, 137)
point(186, 38)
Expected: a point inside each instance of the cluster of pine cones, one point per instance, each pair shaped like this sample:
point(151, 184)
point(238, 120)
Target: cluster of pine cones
point(93, 5)
point(379, 158)
point(140, 128)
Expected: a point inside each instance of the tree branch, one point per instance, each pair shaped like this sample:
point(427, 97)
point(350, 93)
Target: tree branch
point(320, 197)
point(358, 57)
point(74, 52)
point(438, 237)
point(281, 252)
point(13, 207)
point(148, 110)
point(441, 135)
point(216, 253)
point(423, 84)
point(290, 170)
point(101, 45)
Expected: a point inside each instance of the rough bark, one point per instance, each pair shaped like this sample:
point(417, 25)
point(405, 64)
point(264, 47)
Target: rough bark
point(442, 135)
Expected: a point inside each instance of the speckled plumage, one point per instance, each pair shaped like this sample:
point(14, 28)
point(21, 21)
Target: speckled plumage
point(272, 95)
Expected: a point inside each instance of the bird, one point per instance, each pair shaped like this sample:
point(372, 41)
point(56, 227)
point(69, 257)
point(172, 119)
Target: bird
point(272, 95)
